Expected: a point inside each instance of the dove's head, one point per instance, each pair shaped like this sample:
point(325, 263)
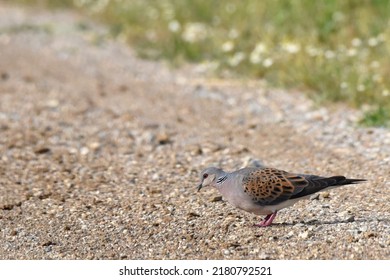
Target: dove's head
point(209, 177)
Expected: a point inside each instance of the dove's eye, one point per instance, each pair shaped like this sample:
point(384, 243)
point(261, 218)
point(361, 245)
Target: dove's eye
point(205, 175)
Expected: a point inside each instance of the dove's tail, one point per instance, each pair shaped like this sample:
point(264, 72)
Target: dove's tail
point(328, 182)
point(317, 184)
point(341, 180)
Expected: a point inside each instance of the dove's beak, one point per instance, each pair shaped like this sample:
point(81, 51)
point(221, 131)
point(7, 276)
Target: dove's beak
point(200, 186)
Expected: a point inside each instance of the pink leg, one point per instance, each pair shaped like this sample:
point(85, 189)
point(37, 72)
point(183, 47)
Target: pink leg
point(267, 220)
point(262, 223)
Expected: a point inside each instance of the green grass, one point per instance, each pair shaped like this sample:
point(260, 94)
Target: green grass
point(335, 51)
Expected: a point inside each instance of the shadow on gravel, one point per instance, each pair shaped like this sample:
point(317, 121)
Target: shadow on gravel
point(346, 221)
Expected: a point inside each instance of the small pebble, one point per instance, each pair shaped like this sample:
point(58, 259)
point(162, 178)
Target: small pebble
point(324, 194)
point(52, 103)
point(94, 145)
point(216, 199)
point(304, 235)
point(84, 151)
point(163, 138)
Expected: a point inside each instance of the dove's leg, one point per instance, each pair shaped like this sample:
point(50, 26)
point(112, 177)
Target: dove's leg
point(262, 223)
point(267, 220)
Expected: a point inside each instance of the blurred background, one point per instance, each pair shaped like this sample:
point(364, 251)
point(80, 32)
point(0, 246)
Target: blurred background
point(334, 51)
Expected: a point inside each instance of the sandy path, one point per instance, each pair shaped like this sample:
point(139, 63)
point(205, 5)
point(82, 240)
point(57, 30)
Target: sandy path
point(100, 154)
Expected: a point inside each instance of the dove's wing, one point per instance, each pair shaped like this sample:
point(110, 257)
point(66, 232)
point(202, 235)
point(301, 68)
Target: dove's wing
point(270, 186)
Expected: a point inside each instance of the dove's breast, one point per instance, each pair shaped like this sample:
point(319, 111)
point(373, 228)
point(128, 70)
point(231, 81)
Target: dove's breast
point(233, 192)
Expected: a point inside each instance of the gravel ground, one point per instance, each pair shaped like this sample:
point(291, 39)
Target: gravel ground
point(100, 154)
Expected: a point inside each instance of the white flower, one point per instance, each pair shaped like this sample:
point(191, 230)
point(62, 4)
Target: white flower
point(291, 47)
point(168, 11)
point(236, 59)
point(256, 54)
point(356, 42)
point(233, 33)
point(361, 88)
point(312, 51)
point(343, 85)
point(385, 92)
point(255, 57)
point(342, 48)
point(260, 48)
point(381, 37)
point(377, 78)
point(374, 64)
point(351, 52)
point(338, 16)
point(372, 42)
point(268, 62)
point(194, 32)
point(207, 66)
point(228, 46)
point(174, 26)
point(329, 54)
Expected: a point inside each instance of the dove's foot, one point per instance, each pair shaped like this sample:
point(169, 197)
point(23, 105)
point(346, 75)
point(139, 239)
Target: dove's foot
point(267, 220)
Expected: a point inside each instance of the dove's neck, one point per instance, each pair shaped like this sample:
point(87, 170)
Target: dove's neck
point(232, 191)
point(223, 182)
point(221, 179)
